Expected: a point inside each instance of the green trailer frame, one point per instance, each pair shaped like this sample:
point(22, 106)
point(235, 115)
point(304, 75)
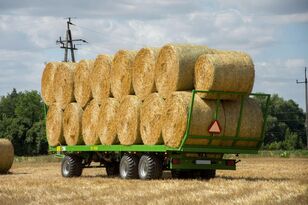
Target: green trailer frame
point(176, 154)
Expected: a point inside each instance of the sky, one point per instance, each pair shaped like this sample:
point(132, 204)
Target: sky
point(273, 32)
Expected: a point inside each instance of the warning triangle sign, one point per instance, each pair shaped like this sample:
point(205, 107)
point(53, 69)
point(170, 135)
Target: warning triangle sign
point(214, 127)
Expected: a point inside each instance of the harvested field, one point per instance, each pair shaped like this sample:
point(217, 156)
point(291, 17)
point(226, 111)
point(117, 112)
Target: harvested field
point(257, 181)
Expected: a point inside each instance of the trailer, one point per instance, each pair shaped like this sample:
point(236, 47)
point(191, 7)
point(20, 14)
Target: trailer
point(149, 161)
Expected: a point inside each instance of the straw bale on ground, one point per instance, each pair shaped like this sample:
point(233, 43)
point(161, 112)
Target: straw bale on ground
point(6, 155)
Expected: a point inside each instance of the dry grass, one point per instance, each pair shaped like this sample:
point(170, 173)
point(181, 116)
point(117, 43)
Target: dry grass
point(257, 181)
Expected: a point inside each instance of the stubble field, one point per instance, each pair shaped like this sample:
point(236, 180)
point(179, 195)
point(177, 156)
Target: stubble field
point(256, 181)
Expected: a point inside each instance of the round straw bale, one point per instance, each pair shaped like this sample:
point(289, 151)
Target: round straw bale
point(72, 124)
point(107, 123)
point(228, 71)
point(121, 73)
point(47, 82)
point(175, 118)
point(89, 123)
point(174, 69)
point(100, 78)
point(6, 155)
point(82, 89)
point(128, 120)
point(251, 123)
point(54, 126)
point(151, 121)
point(144, 72)
point(64, 84)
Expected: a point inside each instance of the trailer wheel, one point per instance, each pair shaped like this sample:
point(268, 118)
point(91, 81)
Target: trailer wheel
point(129, 166)
point(71, 166)
point(150, 167)
point(112, 169)
point(208, 174)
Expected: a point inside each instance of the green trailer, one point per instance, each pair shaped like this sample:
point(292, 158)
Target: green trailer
point(149, 161)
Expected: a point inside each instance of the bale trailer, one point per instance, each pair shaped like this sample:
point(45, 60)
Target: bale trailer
point(149, 161)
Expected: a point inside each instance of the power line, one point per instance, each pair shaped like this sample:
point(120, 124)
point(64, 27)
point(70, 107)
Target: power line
point(68, 43)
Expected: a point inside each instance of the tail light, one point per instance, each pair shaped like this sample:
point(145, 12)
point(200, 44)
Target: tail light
point(176, 161)
point(230, 162)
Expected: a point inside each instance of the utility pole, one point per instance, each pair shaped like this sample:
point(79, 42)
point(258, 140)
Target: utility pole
point(306, 122)
point(68, 43)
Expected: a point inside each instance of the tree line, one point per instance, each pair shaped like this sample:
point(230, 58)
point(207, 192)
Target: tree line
point(22, 120)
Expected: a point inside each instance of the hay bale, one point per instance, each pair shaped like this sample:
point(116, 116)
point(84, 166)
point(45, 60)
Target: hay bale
point(89, 123)
point(175, 119)
point(128, 120)
point(100, 78)
point(72, 124)
point(151, 122)
point(174, 69)
point(6, 155)
point(227, 71)
point(64, 84)
point(107, 123)
point(251, 124)
point(144, 72)
point(82, 89)
point(121, 73)
point(47, 82)
point(54, 126)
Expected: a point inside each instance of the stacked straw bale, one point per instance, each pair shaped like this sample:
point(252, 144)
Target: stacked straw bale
point(129, 120)
point(89, 124)
point(121, 73)
point(251, 123)
point(229, 71)
point(107, 122)
point(151, 121)
point(174, 69)
point(54, 125)
point(64, 84)
point(6, 155)
point(100, 78)
point(72, 126)
point(144, 72)
point(175, 119)
point(82, 89)
point(47, 82)
point(137, 113)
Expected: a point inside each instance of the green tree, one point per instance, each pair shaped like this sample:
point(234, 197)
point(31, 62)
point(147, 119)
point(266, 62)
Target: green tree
point(285, 125)
point(22, 121)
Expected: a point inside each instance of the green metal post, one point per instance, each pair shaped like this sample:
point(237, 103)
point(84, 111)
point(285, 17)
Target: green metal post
point(239, 120)
point(265, 115)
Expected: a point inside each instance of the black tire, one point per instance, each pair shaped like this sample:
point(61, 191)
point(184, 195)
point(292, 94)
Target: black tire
point(150, 167)
point(112, 169)
point(208, 174)
point(71, 166)
point(129, 166)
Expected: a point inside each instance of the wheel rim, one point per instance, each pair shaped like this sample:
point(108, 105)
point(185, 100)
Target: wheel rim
point(144, 169)
point(124, 168)
point(66, 168)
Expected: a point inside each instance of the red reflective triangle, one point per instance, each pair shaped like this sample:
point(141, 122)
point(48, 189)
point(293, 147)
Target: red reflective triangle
point(214, 127)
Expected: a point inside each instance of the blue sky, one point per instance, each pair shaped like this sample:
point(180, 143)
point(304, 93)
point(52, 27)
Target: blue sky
point(273, 32)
